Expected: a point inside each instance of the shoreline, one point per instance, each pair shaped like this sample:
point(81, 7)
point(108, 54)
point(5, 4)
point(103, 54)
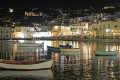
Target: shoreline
point(66, 39)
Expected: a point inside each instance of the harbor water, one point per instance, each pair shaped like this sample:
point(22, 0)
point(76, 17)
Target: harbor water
point(82, 65)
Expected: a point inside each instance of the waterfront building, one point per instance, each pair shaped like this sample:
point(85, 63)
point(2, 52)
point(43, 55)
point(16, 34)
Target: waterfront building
point(75, 29)
point(24, 32)
point(61, 31)
point(6, 32)
point(15, 32)
point(80, 29)
point(93, 28)
point(106, 29)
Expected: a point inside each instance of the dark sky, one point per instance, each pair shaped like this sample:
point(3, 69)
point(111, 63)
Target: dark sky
point(57, 3)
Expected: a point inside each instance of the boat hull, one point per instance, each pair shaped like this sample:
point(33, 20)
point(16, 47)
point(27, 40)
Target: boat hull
point(106, 53)
point(69, 49)
point(53, 49)
point(37, 66)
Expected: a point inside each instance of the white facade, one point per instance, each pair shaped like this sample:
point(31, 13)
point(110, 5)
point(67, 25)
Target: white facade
point(61, 31)
point(6, 32)
point(42, 34)
point(22, 32)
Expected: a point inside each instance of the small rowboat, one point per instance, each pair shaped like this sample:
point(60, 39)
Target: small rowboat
point(106, 53)
point(25, 65)
point(53, 49)
point(70, 49)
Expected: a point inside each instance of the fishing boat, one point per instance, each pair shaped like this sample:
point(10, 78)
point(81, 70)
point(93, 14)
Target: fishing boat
point(25, 65)
point(106, 53)
point(69, 49)
point(53, 49)
point(29, 45)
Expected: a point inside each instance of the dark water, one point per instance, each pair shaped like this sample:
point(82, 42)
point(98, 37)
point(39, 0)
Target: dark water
point(67, 66)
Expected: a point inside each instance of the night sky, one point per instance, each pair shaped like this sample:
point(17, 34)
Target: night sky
point(57, 3)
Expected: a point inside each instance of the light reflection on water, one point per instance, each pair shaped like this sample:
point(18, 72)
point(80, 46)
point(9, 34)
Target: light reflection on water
point(20, 75)
point(68, 66)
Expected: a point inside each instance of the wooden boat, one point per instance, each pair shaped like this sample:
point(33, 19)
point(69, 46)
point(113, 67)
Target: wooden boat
point(29, 45)
point(25, 65)
point(47, 74)
point(64, 46)
point(70, 49)
point(106, 53)
point(53, 49)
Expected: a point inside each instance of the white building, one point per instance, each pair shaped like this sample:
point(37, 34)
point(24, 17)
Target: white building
point(23, 32)
point(108, 29)
point(61, 31)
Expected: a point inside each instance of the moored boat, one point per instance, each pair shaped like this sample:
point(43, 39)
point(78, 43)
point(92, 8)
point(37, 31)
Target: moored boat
point(25, 65)
point(70, 49)
point(106, 53)
point(53, 49)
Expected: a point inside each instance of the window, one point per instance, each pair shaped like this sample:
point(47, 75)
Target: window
point(6, 35)
point(115, 26)
point(19, 30)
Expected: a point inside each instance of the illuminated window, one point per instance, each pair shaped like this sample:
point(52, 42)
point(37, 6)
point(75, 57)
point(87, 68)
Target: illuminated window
point(10, 10)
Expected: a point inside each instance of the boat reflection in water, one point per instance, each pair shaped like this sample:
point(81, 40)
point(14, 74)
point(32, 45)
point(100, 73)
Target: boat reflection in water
point(106, 65)
point(69, 53)
point(38, 74)
point(66, 66)
point(26, 54)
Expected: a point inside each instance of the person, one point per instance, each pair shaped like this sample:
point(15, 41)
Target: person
point(67, 45)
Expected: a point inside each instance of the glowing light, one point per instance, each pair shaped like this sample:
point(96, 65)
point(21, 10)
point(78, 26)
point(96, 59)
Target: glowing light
point(21, 41)
point(10, 10)
point(20, 35)
point(56, 27)
point(42, 34)
point(39, 42)
point(107, 30)
point(52, 21)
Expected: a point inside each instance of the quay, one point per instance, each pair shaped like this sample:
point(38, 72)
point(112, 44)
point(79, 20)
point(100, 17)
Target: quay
point(66, 39)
